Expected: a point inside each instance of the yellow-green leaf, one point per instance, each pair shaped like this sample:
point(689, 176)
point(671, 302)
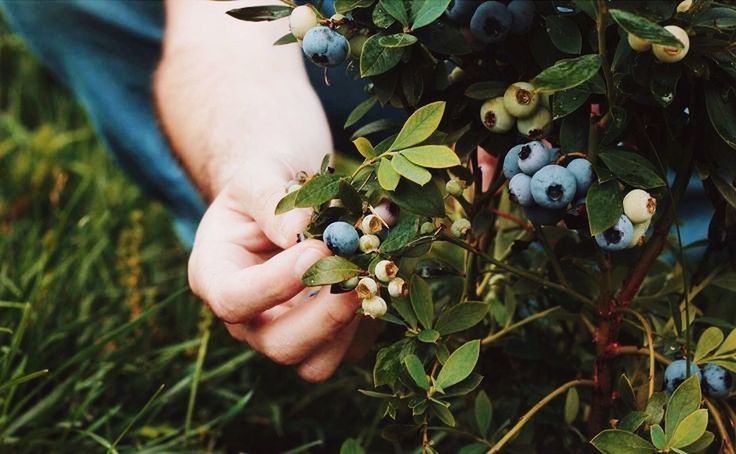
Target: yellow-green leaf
point(410, 171)
point(709, 341)
point(690, 429)
point(419, 126)
point(432, 156)
point(459, 365)
point(388, 178)
point(365, 148)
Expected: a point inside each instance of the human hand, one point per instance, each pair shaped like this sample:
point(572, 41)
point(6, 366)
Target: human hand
point(247, 266)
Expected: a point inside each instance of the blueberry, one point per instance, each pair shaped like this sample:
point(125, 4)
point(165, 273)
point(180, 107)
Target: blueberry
point(511, 162)
point(554, 155)
point(341, 238)
point(460, 11)
point(582, 169)
point(675, 374)
point(543, 216)
point(537, 125)
point(490, 22)
point(553, 186)
point(532, 157)
point(618, 237)
point(522, 16)
point(520, 190)
point(717, 381)
point(325, 47)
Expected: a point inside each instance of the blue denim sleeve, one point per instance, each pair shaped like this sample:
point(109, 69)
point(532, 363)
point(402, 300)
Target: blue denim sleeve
point(106, 52)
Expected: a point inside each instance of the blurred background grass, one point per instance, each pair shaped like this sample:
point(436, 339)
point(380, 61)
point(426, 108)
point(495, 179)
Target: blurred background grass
point(102, 345)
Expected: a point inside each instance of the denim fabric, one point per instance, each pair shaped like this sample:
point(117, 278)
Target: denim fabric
point(106, 52)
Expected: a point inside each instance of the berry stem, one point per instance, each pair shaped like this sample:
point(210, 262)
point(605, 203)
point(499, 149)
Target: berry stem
point(650, 347)
point(601, 31)
point(499, 334)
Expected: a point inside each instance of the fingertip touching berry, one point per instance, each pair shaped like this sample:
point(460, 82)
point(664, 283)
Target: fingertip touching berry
point(520, 190)
point(341, 238)
point(521, 99)
point(675, 374)
point(582, 170)
point(532, 157)
point(495, 117)
point(618, 237)
point(325, 47)
point(491, 22)
point(553, 187)
point(386, 270)
point(639, 206)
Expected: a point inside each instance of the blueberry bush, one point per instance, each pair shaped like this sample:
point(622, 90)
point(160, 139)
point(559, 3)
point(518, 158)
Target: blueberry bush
point(519, 231)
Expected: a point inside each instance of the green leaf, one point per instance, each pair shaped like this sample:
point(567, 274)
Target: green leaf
point(572, 405)
point(459, 365)
point(708, 341)
point(425, 201)
point(464, 387)
point(343, 6)
point(286, 203)
point(632, 169)
point(690, 429)
point(657, 435)
point(633, 421)
point(419, 126)
point(364, 147)
point(443, 413)
point(722, 112)
point(729, 345)
point(375, 126)
point(360, 111)
point(483, 413)
point(564, 33)
point(421, 300)
point(260, 13)
point(389, 364)
point(377, 59)
point(655, 408)
point(605, 205)
point(486, 90)
point(351, 445)
point(428, 336)
point(403, 232)
point(388, 178)
point(614, 441)
point(701, 444)
point(432, 156)
point(416, 371)
point(318, 190)
point(428, 12)
point(381, 17)
point(568, 73)
point(410, 171)
point(286, 39)
point(330, 270)
point(350, 198)
point(461, 317)
point(397, 10)
point(404, 309)
point(684, 401)
point(444, 38)
point(645, 29)
point(397, 40)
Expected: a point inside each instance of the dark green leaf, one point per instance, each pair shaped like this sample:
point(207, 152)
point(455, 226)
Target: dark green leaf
point(444, 38)
point(428, 336)
point(388, 178)
point(605, 205)
point(397, 40)
point(389, 364)
point(564, 33)
point(330, 270)
point(318, 190)
point(381, 17)
point(483, 413)
point(663, 85)
point(376, 59)
point(420, 125)
point(613, 441)
point(645, 29)
point(633, 421)
point(461, 317)
point(425, 201)
point(444, 414)
point(684, 401)
point(397, 10)
point(655, 408)
point(360, 111)
point(286, 39)
point(658, 437)
point(412, 85)
point(464, 387)
point(350, 197)
point(574, 131)
point(486, 90)
point(260, 13)
point(421, 300)
point(459, 365)
point(432, 156)
point(286, 203)
point(403, 232)
point(343, 6)
point(428, 12)
point(722, 112)
point(632, 169)
point(416, 370)
point(568, 73)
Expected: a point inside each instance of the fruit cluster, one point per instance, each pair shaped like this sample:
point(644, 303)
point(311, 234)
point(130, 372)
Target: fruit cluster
point(321, 39)
point(522, 105)
point(715, 380)
point(492, 21)
point(665, 54)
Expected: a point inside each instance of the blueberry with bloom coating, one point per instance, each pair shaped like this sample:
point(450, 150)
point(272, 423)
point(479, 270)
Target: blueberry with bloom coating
point(366, 288)
point(386, 270)
point(301, 20)
point(521, 99)
point(532, 157)
point(618, 237)
point(639, 206)
point(582, 169)
point(374, 307)
point(669, 54)
point(495, 117)
point(325, 47)
point(460, 227)
point(543, 216)
point(341, 238)
point(554, 155)
point(491, 22)
point(520, 190)
point(511, 162)
point(397, 287)
point(675, 374)
point(522, 16)
point(369, 243)
point(537, 125)
point(553, 187)
point(717, 381)
point(460, 11)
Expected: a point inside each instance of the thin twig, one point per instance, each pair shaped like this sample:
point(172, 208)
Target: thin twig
point(499, 334)
point(650, 345)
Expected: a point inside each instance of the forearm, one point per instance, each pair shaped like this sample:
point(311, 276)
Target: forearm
point(226, 96)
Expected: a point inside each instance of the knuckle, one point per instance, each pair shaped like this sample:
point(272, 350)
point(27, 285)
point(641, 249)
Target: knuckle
point(280, 353)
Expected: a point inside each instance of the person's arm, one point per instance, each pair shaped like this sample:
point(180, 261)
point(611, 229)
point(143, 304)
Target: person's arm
point(243, 118)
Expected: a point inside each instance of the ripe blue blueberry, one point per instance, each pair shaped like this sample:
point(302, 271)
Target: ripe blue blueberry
point(717, 381)
point(325, 47)
point(520, 190)
point(460, 11)
point(532, 157)
point(341, 238)
point(618, 237)
point(522, 16)
point(511, 162)
point(554, 155)
point(675, 374)
point(553, 186)
point(543, 216)
point(582, 169)
point(490, 22)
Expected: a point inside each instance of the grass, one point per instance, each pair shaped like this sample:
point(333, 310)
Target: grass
point(102, 346)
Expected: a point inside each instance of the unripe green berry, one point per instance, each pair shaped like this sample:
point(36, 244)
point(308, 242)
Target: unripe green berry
point(460, 227)
point(302, 19)
point(495, 117)
point(369, 243)
point(639, 206)
point(638, 44)
point(374, 307)
point(427, 228)
point(371, 224)
point(454, 187)
point(537, 125)
point(521, 99)
point(356, 44)
point(350, 283)
point(386, 270)
point(366, 288)
point(397, 287)
point(668, 54)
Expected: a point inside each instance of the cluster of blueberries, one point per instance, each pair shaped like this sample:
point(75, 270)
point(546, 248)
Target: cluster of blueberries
point(343, 239)
point(522, 105)
point(715, 380)
point(492, 21)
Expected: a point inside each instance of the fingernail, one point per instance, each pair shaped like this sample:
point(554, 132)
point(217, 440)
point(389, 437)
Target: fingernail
point(305, 260)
